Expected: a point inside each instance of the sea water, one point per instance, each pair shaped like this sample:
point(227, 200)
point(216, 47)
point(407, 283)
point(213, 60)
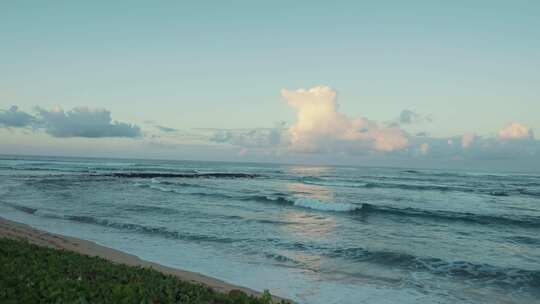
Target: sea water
point(314, 234)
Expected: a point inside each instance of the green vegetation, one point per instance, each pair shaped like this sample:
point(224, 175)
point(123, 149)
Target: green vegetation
point(32, 274)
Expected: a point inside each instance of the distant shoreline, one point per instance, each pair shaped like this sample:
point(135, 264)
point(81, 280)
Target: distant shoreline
point(19, 231)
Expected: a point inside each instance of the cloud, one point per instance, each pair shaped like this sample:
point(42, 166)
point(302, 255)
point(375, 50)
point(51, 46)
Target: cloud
point(467, 140)
point(516, 130)
point(15, 118)
point(252, 138)
point(166, 129)
point(321, 127)
point(79, 122)
point(84, 122)
point(471, 147)
point(408, 117)
point(424, 148)
point(243, 152)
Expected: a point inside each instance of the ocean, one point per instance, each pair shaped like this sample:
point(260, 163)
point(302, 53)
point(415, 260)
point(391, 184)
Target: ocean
point(314, 234)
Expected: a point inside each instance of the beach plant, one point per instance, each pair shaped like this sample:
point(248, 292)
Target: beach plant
point(33, 274)
point(266, 297)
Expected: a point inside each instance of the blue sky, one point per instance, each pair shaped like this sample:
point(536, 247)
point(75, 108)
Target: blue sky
point(215, 70)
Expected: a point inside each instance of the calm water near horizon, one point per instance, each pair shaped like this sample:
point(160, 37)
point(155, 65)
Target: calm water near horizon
point(315, 234)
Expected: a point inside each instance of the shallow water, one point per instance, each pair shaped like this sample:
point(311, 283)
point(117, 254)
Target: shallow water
point(312, 234)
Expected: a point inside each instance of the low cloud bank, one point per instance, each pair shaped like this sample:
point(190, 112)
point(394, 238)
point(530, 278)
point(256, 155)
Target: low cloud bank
point(319, 129)
point(13, 118)
point(166, 129)
point(513, 142)
point(79, 122)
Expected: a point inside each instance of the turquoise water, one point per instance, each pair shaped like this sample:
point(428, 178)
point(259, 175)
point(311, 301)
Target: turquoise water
point(312, 234)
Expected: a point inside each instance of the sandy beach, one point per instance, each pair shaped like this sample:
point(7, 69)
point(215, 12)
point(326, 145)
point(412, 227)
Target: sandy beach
point(14, 230)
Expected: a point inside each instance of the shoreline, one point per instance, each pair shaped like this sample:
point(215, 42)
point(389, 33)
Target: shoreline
point(19, 231)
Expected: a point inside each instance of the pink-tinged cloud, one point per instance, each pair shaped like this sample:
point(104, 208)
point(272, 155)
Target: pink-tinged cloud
point(516, 130)
point(242, 152)
point(467, 140)
point(320, 126)
point(424, 148)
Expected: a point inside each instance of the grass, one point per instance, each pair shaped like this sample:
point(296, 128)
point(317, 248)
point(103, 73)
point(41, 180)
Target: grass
point(33, 274)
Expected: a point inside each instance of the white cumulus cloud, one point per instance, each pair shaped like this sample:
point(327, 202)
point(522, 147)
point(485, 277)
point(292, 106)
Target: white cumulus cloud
point(516, 130)
point(321, 127)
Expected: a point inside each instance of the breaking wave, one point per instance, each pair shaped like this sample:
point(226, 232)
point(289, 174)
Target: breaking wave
point(366, 209)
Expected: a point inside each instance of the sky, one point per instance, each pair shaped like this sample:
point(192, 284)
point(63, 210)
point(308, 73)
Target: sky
point(383, 83)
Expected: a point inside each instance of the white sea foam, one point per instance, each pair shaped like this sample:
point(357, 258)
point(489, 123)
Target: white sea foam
point(318, 205)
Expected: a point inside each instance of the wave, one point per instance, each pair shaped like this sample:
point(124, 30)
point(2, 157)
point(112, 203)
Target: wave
point(179, 184)
point(524, 221)
point(412, 171)
point(308, 203)
point(319, 205)
point(360, 184)
point(418, 187)
point(524, 240)
point(278, 198)
point(312, 179)
point(21, 208)
point(461, 269)
point(39, 169)
point(156, 187)
point(181, 175)
point(529, 193)
point(498, 193)
point(161, 231)
point(366, 209)
point(284, 260)
point(281, 200)
point(172, 187)
point(135, 208)
point(502, 276)
point(33, 211)
point(149, 209)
